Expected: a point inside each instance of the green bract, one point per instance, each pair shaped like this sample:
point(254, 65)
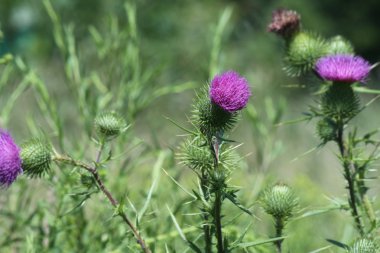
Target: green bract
point(109, 125)
point(340, 102)
point(36, 157)
point(279, 201)
point(339, 45)
point(210, 118)
point(327, 130)
point(303, 50)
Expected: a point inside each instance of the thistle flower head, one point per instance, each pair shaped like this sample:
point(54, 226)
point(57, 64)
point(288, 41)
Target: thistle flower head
point(10, 161)
point(36, 157)
point(279, 201)
point(284, 22)
point(343, 68)
point(230, 91)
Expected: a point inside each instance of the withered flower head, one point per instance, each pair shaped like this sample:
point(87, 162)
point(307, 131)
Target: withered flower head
point(284, 22)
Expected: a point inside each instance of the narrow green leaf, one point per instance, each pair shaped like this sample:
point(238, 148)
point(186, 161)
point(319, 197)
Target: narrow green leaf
point(182, 235)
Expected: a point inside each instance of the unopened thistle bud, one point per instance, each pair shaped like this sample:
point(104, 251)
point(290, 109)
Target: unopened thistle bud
point(284, 23)
point(303, 50)
point(364, 246)
point(339, 45)
point(327, 130)
point(109, 125)
point(279, 201)
point(36, 157)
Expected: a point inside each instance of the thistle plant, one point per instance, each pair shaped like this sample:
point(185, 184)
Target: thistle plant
point(208, 154)
point(280, 202)
point(339, 72)
point(37, 157)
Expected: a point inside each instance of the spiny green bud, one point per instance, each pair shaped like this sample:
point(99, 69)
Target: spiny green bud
point(339, 45)
point(36, 157)
point(279, 201)
point(196, 155)
point(303, 50)
point(364, 246)
point(327, 130)
point(109, 125)
point(211, 118)
point(340, 102)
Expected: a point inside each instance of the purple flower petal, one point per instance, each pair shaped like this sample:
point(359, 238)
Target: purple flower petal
point(230, 91)
point(343, 68)
point(10, 161)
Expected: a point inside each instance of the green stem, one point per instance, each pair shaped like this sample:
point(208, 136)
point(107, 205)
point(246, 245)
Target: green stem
point(206, 226)
point(218, 221)
point(107, 193)
point(279, 227)
point(347, 165)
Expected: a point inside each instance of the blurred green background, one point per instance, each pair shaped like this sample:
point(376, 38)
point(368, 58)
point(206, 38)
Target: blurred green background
point(176, 39)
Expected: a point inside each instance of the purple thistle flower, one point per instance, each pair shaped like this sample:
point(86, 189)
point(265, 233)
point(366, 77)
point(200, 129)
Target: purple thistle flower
point(343, 68)
point(10, 161)
point(230, 91)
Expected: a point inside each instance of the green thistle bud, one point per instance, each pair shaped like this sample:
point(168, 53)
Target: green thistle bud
point(279, 201)
point(327, 130)
point(36, 157)
point(109, 125)
point(196, 155)
point(303, 50)
point(364, 246)
point(339, 45)
point(340, 102)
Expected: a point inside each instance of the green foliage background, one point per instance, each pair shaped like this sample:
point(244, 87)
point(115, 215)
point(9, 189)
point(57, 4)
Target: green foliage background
point(147, 68)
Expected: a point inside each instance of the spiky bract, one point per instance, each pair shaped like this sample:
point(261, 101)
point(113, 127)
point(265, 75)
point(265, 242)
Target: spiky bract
point(340, 103)
point(339, 45)
point(109, 125)
point(279, 201)
point(303, 50)
point(36, 157)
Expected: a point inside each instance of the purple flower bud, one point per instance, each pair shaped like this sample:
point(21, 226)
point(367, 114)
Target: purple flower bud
point(10, 161)
point(343, 68)
point(230, 91)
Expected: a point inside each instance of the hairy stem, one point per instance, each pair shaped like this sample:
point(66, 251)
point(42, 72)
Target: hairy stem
point(279, 227)
point(349, 170)
point(107, 193)
point(218, 188)
point(218, 221)
point(206, 226)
